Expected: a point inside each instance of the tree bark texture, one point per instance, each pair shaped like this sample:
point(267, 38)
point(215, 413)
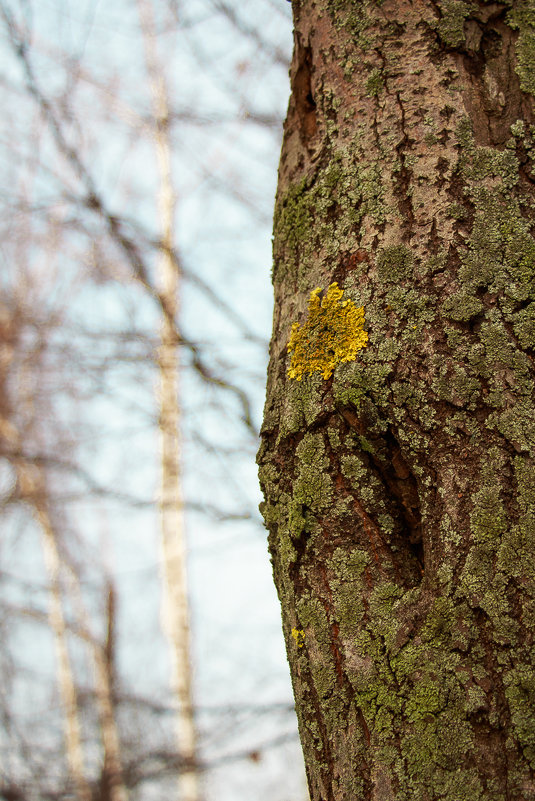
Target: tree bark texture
point(399, 480)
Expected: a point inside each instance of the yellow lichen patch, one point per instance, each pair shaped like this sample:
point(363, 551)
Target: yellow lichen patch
point(299, 637)
point(332, 333)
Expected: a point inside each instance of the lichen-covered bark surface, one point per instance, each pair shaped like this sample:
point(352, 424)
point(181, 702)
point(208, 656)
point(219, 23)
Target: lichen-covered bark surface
point(400, 490)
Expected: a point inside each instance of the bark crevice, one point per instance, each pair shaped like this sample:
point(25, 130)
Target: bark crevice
point(303, 92)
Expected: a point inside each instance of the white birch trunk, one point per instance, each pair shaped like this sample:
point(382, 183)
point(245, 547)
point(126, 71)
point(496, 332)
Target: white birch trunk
point(33, 486)
point(176, 611)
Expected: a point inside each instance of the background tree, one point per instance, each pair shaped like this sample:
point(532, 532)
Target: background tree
point(398, 440)
point(85, 243)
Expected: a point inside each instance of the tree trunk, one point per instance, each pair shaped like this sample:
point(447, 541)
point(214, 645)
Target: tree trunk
point(176, 607)
point(32, 484)
point(398, 446)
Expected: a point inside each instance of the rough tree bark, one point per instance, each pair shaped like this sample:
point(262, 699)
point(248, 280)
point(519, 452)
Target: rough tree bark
point(398, 471)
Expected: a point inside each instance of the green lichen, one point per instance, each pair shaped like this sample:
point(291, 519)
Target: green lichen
point(522, 18)
point(497, 343)
point(318, 633)
point(439, 622)
point(312, 488)
point(459, 386)
point(517, 425)
point(328, 209)
point(518, 129)
point(427, 699)
point(487, 162)
point(499, 260)
point(333, 333)
point(450, 27)
point(520, 692)
point(354, 468)
point(347, 570)
point(462, 306)
point(394, 263)
point(457, 211)
point(293, 216)
point(365, 445)
point(375, 83)
point(300, 405)
point(465, 133)
point(524, 326)
point(346, 15)
point(488, 518)
point(372, 191)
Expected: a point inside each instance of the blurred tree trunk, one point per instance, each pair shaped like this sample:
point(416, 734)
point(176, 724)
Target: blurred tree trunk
point(112, 786)
point(32, 483)
point(32, 487)
point(399, 472)
point(176, 603)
